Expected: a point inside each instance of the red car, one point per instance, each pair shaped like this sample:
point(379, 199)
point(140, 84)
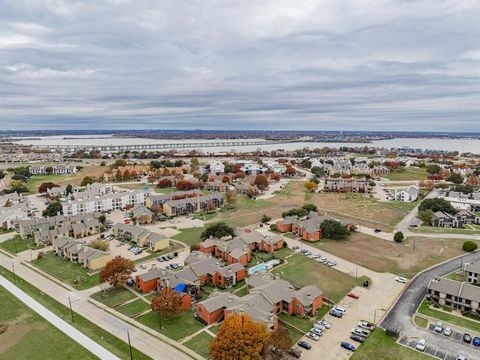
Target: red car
point(353, 295)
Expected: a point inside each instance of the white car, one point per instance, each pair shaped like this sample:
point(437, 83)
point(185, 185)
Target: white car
point(313, 336)
point(143, 266)
point(439, 327)
point(326, 324)
point(421, 345)
point(401, 280)
point(447, 332)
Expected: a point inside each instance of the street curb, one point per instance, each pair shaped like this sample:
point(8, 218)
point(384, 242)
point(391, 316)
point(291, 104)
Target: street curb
point(5, 252)
point(146, 329)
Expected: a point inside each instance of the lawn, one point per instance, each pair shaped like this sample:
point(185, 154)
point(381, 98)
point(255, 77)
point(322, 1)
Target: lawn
point(248, 211)
point(407, 174)
point(133, 308)
point(113, 296)
point(66, 271)
point(16, 245)
point(215, 328)
point(304, 324)
point(175, 328)
point(363, 209)
point(406, 259)
point(29, 336)
point(452, 319)
point(380, 346)
point(442, 230)
point(189, 236)
point(302, 271)
point(421, 321)
point(200, 344)
point(102, 337)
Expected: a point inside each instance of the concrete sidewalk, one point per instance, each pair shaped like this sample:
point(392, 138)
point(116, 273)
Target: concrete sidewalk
point(60, 324)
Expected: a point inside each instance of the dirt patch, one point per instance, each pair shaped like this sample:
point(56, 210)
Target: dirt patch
point(405, 259)
point(15, 333)
point(3, 328)
point(76, 179)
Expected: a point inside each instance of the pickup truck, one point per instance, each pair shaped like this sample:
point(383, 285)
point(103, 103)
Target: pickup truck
point(366, 325)
point(360, 332)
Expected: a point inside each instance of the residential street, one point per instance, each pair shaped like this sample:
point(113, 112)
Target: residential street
point(148, 344)
point(59, 323)
point(400, 315)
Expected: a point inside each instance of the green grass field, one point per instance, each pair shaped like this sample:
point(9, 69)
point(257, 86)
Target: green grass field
point(133, 308)
point(175, 328)
point(421, 322)
point(29, 336)
point(380, 346)
point(17, 245)
point(304, 324)
point(407, 174)
point(102, 337)
point(35, 181)
point(200, 344)
point(66, 271)
point(189, 236)
point(452, 319)
point(113, 297)
point(302, 271)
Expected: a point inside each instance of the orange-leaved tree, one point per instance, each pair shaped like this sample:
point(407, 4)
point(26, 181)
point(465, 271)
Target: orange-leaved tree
point(239, 337)
point(167, 304)
point(117, 271)
point(278, 343)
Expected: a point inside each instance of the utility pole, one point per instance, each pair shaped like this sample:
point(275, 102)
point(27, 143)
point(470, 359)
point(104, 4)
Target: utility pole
point(13, 270)
point(129, 345)
point(71, 311)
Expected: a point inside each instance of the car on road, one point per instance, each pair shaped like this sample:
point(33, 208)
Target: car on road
point(347, 346)
point(357, 338)
point(304, 345)
point(313, 336)
point(296, 353)
point(447, 332)
point(401, 279)
point(336, 313)
point(438, 327)
point(366, 325)
point(467, 338)
point(476, 341)
point(421, 345)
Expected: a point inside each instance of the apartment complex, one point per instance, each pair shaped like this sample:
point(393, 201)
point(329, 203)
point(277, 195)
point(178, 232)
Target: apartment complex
point(267, 297)
point(78, 251)
point(458, 220)
point(339, 184)
point(140, 236)
point(457, 295)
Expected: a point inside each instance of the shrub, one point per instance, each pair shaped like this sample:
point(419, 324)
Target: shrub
point(398, 237)
point(469, 246)
point(266, 218)
point(273, 227)
point(218, 231)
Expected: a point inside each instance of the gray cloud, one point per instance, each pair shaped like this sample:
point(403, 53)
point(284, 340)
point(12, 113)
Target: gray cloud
point(389, 65)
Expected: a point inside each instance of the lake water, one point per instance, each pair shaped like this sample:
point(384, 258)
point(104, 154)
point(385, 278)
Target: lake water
point(461, 145)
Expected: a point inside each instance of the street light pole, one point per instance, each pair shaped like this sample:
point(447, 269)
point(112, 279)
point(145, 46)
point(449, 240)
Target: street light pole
point(129, 345)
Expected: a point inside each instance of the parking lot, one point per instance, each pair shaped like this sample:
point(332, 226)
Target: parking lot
point(118, 248)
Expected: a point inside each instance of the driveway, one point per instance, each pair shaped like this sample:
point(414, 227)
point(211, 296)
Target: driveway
point(400, 315)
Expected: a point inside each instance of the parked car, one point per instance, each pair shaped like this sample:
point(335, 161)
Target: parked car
point(476, 341)
point(438, 327)
point(160, 258)
point(134, 270)
point(366, 325)
point(304, 345)
point(295, 247)
point(340, 309)
point(316, 256)
point(143, 266)
point(462, 357)
point(131, 282)
point(313, 336)
point(447, 332)
point(336, 313)
point(326, 324)
point(347, 346)
point(467, 338)
point(401, 280)
point(377, 231)
point(316, 331)
point(170, 256)
point(319, 326)
point(353, 295)
point(421, 345)
point(357, 338)
point(332, 263)
point(296, 353)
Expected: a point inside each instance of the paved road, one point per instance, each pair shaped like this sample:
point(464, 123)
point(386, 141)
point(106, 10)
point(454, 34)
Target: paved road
point(400, 315)
point(404, 225)
point(60, 324)
point(148, 344)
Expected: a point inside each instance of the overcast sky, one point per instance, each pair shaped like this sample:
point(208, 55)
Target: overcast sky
point(323, 65)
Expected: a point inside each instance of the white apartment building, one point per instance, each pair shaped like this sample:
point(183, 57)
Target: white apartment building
point(107, 202)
